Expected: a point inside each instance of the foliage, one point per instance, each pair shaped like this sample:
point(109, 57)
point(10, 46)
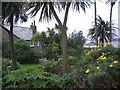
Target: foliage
point(98, 63)
point(48, 11)
point(52, 51)
point(103, 30)
point(36, 77)
point(75, 39)
point(24, 54)
point(77, 51)
point(6, 66)
point(54, 66)
point(86, 72)
point(13, 9)
point(32, 77)
point(5, 49)
point(36, 37)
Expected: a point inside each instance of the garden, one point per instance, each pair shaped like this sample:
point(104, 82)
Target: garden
point(96, 68)
point(68, 63)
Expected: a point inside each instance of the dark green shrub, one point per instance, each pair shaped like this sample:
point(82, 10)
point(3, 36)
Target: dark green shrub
point(24, 54)
point(54, 66)
point(6, 67)
point(6, 49)
point(98, 68)
point(51, 51)
point(33, 77)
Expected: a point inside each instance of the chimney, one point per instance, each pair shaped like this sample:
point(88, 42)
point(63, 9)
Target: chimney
point(33, 27)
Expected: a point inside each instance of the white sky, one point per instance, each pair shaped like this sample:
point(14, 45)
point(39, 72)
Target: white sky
point(78, 21)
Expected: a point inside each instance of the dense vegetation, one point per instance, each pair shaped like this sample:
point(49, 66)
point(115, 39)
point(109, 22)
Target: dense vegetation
point(69, 64)
point(24, 54)
point(84, 72)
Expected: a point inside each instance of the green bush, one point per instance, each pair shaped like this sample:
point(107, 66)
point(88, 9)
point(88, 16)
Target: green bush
point(24, 54)
point(51, 51)
point(54, 66)
point(6, 67)
point(6, 49)
point(98, 68)
point(32, 77)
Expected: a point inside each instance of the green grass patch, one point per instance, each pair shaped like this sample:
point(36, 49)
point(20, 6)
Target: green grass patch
point(30, 65)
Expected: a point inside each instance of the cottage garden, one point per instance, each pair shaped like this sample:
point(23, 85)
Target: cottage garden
point(69, 64)
point(96, 68)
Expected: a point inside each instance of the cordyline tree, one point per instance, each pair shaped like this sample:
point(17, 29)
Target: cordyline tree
point(11, 13)
point(95, 10)
point(103, 29)
point(48, 11)
point(112, 3)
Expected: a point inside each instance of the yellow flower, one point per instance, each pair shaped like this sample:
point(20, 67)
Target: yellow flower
point(97, 58)
point(105, 44)
point(110, 65)
point(103, 53)
point(87, 71)
point(109, 43)
point(108, 53)
point(98, 67)
point(104, 58)
point(115, 62)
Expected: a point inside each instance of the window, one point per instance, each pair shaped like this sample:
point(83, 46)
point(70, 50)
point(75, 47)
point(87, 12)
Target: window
point(38, 43)
point(31, 43)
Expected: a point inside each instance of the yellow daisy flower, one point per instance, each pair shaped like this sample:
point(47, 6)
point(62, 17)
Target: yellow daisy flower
point(110, 65)
point(115, 62)
point(87, 71)
point(98, 67)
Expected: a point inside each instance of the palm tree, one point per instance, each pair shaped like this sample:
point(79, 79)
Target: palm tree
point(96, 22)
point(103, 31)
point(11, 13)
point(112, 3)
point(48, 11)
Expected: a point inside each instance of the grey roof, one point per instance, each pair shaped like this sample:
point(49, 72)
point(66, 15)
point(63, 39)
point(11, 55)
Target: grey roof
point(22, 32)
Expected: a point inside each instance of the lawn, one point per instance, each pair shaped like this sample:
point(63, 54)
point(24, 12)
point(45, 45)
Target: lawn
point(29, 65)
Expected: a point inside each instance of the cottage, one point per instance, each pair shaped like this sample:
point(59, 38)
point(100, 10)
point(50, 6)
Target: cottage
point(23, 33)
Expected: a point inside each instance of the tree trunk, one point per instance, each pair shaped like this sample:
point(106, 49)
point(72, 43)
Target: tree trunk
point(96, 32)
point(102, 39)
point(64, 49)
point(14, 63)
point(112, 4)
point(63, 30)
point(110, 24)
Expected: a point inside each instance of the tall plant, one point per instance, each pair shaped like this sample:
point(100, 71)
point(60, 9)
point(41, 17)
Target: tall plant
point(48, 11)
point(103, 31)
point(11, 13)
point(112, 3)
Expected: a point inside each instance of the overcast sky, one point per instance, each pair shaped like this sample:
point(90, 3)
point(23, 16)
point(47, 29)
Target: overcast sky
point(78, 21)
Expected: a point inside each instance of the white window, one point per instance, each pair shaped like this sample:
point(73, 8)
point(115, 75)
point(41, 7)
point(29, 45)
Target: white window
point(31, 43)
point(38, 43)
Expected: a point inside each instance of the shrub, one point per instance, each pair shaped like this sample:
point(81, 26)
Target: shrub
point(5, 49)
point(99, 68)
point(6, 66)
point(24, 54)
point(54, 66)
point(51, 51)
point(32, 77)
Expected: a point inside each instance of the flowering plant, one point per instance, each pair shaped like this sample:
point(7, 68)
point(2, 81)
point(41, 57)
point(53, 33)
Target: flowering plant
point(101, 66)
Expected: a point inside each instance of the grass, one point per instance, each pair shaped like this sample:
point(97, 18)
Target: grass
point(29, 65)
